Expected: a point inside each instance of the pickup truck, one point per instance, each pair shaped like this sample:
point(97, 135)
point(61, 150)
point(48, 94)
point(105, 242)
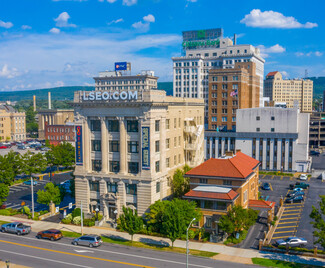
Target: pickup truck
point(16, 228)
point(302, 185)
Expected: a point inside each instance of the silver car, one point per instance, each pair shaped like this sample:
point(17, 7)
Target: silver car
point(292, 242)
point(88, 240)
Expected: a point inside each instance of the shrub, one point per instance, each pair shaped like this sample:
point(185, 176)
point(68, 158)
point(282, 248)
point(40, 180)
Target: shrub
point(89, 222)
point(77, 212)
point(66, 221)
point(76, 220)
point(69, 217)
point(191, 234)
point(5, 212)
point(26, 210)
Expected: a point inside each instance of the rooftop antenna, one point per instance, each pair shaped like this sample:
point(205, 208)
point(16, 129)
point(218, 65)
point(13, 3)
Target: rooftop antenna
point(306, 73)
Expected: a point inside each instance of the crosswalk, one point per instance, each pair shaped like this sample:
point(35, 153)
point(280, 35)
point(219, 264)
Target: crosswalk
point(21, 187)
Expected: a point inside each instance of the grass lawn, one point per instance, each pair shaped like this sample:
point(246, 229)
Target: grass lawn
point(280, 264)
point(147, 246)
point(3, 222)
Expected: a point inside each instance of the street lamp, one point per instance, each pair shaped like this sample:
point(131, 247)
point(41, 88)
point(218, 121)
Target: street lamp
point(97, 210)
point(187, 241)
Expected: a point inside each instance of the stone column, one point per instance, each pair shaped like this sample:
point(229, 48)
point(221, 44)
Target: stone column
point(271, 153)
point(228, 145)
point(163, 147)
point(286, 155)
point(123, 146)
point(257, 149)
point(205, 149)
point(86, 142)
point(104, 145)
point(222, 146)
point(264, 154)
point(210, 144)
point(279, 152)
point(216, 147)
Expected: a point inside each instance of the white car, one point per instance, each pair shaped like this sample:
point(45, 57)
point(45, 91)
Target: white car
point(303, 177)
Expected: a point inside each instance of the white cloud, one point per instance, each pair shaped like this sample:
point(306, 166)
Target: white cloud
point(8, 73)
point(273, 19)
point(115, 21)
point(109, 1)
point(309, 54)
point(55, 31)
point(318, 54)
point(285, 74)
point(69, 0)
point(265, 51)
point(130, 2)
point(26, 27)
point(299, 54)
point(62, 20)
point(143, 27)
point(59, 84)
point(6, 25)
point(149, 18)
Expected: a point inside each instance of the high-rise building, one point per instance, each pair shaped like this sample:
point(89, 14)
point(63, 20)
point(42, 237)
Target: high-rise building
point(12, 124)
point(229, 90)
point(289, 91)
point(130, 141)
point(205, 50)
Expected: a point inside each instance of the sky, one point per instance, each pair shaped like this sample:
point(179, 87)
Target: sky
point(51, 43)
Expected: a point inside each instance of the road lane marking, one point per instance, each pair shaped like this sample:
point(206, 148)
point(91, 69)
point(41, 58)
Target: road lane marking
point(288, 222)
point(291, 226)
point(74, 254)
point(271, 187)
point(289, 214)
point(106, 251)
point(279, 237)
point(83, 251)
point(289, 218)
point(283, 232)
point(290, 210)
point(45, 259)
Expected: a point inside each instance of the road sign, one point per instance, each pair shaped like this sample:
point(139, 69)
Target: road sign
point(70, 205)
point(57, 209)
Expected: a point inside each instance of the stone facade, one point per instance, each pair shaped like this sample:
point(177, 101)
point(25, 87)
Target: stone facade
point(12, 124)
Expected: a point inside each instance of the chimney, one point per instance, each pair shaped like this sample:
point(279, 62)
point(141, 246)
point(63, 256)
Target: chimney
point(49, 97)
point(238, 150)
point(229, 153)
point(34, 102)
point(235, 40)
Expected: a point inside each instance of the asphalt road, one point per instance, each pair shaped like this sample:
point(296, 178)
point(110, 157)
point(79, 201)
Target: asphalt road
point(29, 251)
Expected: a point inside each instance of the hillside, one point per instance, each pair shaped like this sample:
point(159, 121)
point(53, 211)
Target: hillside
point(61, 93)
point(319, 85)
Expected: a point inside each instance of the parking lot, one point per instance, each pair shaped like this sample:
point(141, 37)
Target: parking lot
point(295, 220)
point(15, 149)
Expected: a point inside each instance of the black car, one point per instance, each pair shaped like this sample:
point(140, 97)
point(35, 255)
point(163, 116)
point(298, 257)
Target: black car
point(295, 199)
point(295, 193)
point(314, 153)
point(266, 186)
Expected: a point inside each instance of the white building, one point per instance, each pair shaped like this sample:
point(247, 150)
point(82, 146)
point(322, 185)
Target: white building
point(204, 50)
point(278, 137)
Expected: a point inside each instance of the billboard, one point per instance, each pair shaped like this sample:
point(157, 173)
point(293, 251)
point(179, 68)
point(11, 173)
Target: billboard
point(79, 158)
point(145, 142)
point(121, 66)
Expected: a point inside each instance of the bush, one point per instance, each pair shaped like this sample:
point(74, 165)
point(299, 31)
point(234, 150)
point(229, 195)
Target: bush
point(66, 221)
point(77, 213)
point(89, 222)
point(69, 217)
point(5, 212)
point(43, 212)
point(233, 240)
point(76, 220)
point(191, 234)
point(26, 210)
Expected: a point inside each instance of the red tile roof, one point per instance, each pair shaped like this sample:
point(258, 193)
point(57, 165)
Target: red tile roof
point(272, 73)
point(260, 204)
point(231, 195)
point(239, 166)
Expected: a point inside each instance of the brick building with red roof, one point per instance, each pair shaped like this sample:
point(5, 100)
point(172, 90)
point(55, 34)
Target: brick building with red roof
point(218, 184)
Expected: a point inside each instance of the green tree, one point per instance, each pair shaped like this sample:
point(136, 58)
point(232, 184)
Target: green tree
point(4, 191)
point(16, 163)
point(130, 222)
point(51, 193)
point(237, 220)
point(180, 184)
point(6, 171)
point(62, 154)
point(33, 163)
point(318, 222)
point(31, 124)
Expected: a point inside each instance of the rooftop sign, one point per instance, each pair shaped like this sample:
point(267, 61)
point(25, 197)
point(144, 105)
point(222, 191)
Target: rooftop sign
point(108, 95)
point(205, 43)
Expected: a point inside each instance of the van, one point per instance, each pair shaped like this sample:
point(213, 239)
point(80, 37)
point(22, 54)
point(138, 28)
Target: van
point(21, 147)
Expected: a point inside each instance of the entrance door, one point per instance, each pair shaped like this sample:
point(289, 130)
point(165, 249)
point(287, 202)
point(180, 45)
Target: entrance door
point(111, 213)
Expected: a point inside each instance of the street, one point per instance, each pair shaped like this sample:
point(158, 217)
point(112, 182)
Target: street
point(29, 251)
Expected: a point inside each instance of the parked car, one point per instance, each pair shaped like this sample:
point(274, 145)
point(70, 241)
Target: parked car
point(302, 185)
point(51, 234)
point(21, 147)
point(292, 242)
point(88, 240)
point(29, 182)
point(16, 228)
point(37, 148)
point(297, 189)
point(314, 153)
point(303, 177)
point(3, 147)
point(295, 199)
point(295, 193)
point(45, 149)
point(266, 186)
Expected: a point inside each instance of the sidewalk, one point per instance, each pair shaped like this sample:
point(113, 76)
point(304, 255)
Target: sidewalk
point(225, 253)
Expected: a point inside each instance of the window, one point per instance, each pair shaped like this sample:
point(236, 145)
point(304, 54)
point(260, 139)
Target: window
point(272, 129)
point(167, 123)
point(272, 118)
point(174, 122)
point(157, 166)
point(167, 162)
point(167, 143)
point(114, 166)
point(157, 146)
point(133, 167)
point(111, 187)
point(133, 147)
point(175, 142)
point(95, 125)
point(208, 222)
point(224, 78)
point(131, 188)
point(97, 165)
point(113, 126)
point(94, 186)
point(157, 125)
point(258, 129)
point(208, 204)
point(258, 118)
point(204, 181)
point(157, 187)
point(245, 196)
point(132, 126)
point(227, 182)
point(114, 146)
point(179, 140)
point(96, 145)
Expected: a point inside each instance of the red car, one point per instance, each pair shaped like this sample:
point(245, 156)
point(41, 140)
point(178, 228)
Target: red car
point(3, 147)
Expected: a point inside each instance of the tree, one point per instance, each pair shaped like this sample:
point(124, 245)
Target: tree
point(6, 171)
point(180, 184)
point(31, 124)
point(237, 220)
point(51, 193)
point(4, 191)
point(171, 218)
point(33, 163)
point(62, 154)
point(319, 223)
point(130, 222)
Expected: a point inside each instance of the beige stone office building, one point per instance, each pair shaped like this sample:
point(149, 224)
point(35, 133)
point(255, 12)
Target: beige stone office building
point(131, 142)
point(12, 124)
point(53, 117)
point(289, 91)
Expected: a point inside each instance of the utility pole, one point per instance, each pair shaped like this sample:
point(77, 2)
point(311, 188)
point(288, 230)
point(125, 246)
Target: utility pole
point(32, 189)
point(187, 251)
point(82, 223)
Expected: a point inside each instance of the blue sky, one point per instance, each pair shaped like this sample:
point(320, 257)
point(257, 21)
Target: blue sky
point(48, 43)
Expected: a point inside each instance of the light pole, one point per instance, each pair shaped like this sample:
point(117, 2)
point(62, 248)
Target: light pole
point(187, 241)
point(32, 190)
point(97, 210)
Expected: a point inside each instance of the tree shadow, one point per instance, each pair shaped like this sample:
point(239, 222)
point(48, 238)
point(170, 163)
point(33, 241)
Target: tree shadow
point(115, 237)
point(153, 242)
